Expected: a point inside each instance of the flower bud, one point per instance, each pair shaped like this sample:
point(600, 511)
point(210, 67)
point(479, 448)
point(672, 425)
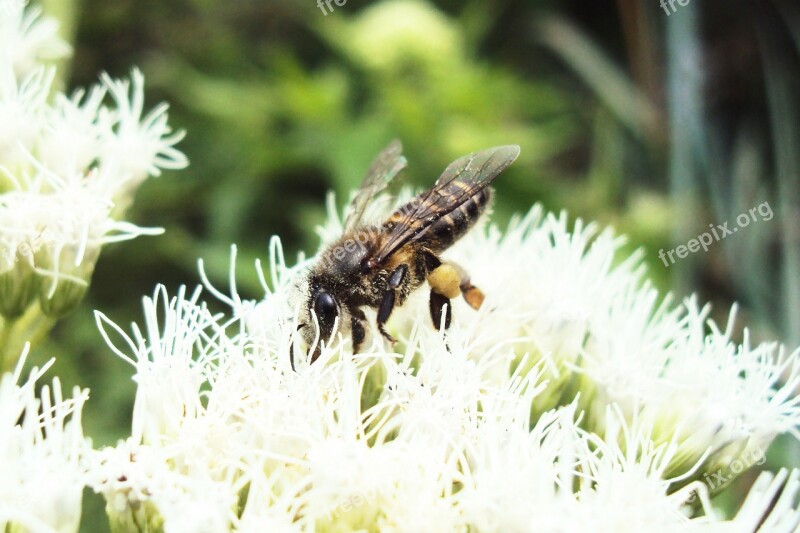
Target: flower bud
point(63, 283)
point(65, 298)
point(129, 514)
point(18, 283)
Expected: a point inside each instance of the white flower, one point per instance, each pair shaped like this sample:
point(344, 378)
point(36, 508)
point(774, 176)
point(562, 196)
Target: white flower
point(272, 504)
point(169, 370)
point(509, 463)
point(680, 371)
point(68, 171)
point(27, 38)
point(70, 143)
point(142, 494)
point(22, 117)
point(455, 432)
point(770, 506)
point(79, 139)
point(57, 237)
point(624, 484)
point(42, 449)
point(137, 146)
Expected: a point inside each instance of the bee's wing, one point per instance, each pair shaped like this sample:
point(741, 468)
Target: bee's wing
point(460, 181)
point(388, 163)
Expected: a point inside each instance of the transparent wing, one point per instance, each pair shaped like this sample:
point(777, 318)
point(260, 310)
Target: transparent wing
point(388, 163)
point(461, 180)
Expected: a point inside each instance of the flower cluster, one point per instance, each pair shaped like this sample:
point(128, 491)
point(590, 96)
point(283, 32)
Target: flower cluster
point(565, 402)
point(42, 453)
point(69, 166)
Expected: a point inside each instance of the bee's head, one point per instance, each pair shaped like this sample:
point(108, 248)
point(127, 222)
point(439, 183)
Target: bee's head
point(326, 308)
point(322, 304)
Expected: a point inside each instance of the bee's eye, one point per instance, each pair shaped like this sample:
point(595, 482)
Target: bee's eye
point(326, 310)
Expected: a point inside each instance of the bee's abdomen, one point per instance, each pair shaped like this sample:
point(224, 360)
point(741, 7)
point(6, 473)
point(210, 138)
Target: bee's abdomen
point(455, 224)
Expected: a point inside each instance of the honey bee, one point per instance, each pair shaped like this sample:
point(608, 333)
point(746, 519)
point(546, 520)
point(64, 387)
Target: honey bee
point(379, 266)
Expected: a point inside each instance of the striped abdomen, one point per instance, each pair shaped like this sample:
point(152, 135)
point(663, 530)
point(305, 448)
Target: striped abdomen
point(451, 227)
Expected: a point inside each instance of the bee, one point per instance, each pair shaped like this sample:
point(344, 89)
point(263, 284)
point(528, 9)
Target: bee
point(379, 266)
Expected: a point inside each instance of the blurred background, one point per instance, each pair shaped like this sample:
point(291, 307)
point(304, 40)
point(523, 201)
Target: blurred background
point(653, 119)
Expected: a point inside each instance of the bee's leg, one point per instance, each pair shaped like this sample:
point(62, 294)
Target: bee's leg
point(387, 303)
point(472, 294)
point(445, 280)
point(357, 328)
point(450, 280)
point(437, 305)
point(384, 310)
